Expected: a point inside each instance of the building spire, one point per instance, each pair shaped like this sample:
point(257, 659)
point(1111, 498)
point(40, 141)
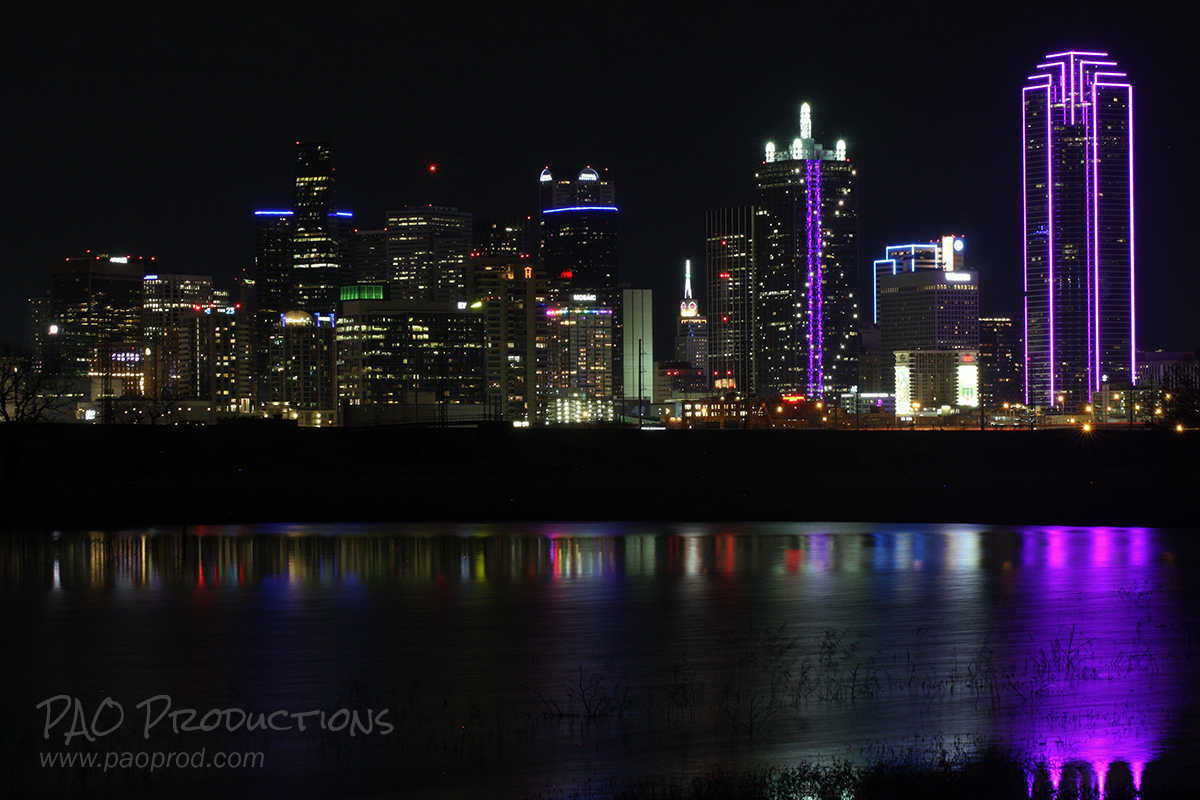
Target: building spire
point(688, 307)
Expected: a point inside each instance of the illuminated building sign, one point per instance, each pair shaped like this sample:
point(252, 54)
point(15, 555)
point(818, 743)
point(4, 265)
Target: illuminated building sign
point(583, 298)
point(968, 384)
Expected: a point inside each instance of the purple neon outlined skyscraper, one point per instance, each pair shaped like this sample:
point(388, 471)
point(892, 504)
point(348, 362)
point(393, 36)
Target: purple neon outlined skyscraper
point(1077, 128)
point(806, 268)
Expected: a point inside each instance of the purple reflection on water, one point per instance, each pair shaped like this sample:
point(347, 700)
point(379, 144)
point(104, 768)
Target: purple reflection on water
point(1099, 663)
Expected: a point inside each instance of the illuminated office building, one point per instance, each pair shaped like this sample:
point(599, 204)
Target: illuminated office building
point(1077, 145)
point(303, 256)
point(95, 319)
point(230, 339)
point(303, 348)
point(806, 268)
point(174, 347)
point(579, 230)
point(931, 379)
point(410, 360)
point(1001, 379)
point(427, 252)
point(580, 343)
point(574, 407)
point(729, 260)
point(513, 239)
point(928, 310)
point(320, 233)
point(512, 296)
point(272, 289)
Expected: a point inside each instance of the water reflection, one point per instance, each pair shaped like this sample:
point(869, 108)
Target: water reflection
point(208, 556)
point(703, 645)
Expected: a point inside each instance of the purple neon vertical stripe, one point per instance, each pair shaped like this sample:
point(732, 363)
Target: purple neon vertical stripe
point(816, 299)
point(1132, 251)
point(1025, 228)
point(1094, 342)
point(1050, 237)
point(812, 279)
point(1025, 301)
point(816, 248)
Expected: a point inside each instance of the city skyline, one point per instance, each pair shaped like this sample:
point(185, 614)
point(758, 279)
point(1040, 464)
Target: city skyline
point(175, 158)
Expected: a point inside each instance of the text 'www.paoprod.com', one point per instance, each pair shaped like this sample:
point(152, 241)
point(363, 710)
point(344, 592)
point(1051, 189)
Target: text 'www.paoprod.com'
point(152, 760)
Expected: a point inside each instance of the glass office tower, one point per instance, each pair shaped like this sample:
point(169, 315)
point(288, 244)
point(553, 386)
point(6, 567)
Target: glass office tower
point(1077, 126)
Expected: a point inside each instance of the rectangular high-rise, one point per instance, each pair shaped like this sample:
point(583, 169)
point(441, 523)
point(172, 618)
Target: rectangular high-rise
point(637, 345)
point(1000, 359)
point(95, 318)
point(512, 297)
point(320, 235)
point(929, 310)
point(729, 260)
point(806, 265)
point(427, 252)
point(1077, 129)
point(174, 363)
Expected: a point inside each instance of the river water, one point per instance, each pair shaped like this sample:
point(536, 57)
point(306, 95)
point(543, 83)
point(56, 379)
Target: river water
point(526, 660)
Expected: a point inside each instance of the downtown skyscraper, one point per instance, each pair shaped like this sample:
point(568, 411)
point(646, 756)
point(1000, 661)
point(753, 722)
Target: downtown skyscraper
point(729, 259)
point(578, 230)
point(1077, 128)
point(302, 258)
point(806, 268)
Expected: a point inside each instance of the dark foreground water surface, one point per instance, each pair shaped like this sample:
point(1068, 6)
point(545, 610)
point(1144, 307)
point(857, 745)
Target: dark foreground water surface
point(504, 661)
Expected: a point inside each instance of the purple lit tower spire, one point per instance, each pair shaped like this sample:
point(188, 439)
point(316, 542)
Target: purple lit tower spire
point(1077, 124)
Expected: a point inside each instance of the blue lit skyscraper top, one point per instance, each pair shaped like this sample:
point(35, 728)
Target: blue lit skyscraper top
point(578, 228)
point(1077, 128)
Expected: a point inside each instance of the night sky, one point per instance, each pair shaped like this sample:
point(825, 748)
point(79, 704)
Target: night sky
point(158, 132)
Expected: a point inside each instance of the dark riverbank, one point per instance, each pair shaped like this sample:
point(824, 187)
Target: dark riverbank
point(91, 476)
